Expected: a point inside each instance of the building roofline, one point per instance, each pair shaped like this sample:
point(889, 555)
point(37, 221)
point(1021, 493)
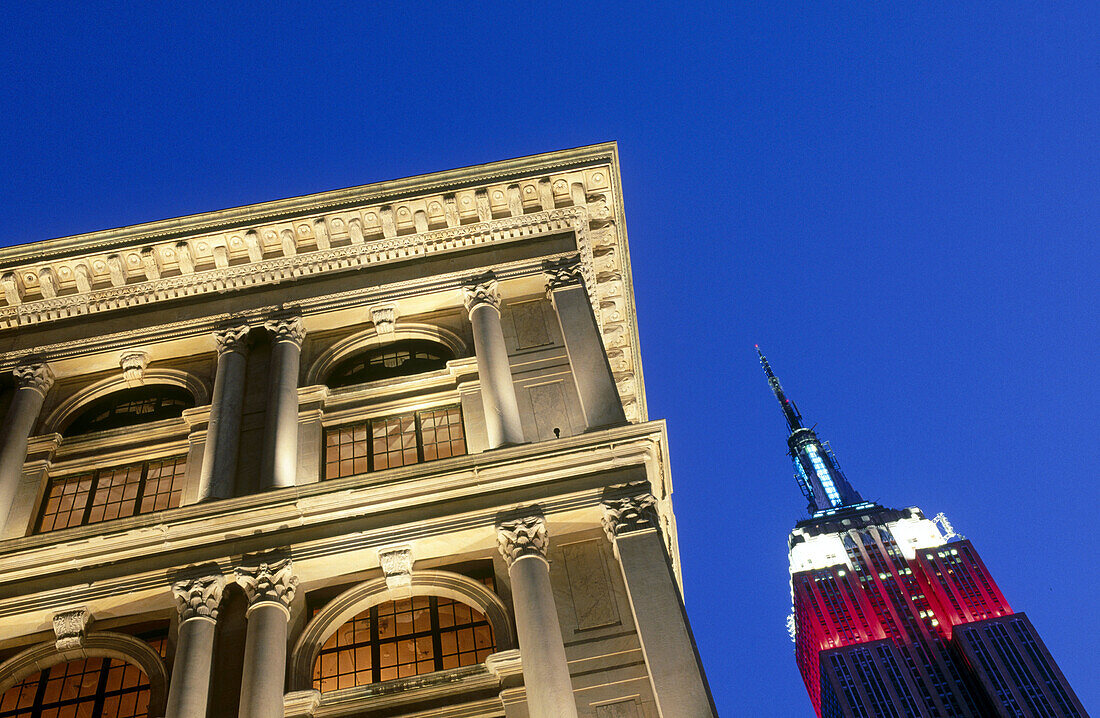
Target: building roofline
point(281, 209)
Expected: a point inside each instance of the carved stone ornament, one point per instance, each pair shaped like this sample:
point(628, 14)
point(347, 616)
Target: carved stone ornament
point(69, 628)
point(384, 317)
point(34, 376)
point(629, 513)
point(198, 597)
point(232, 339)
point(287, 329)
point(522, 537)
point(563, 273)
point(133, 367)
point(485, 292)
point(271, 582)
point(397, 562)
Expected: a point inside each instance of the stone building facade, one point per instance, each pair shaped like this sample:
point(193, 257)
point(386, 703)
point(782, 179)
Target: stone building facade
point(376, 451)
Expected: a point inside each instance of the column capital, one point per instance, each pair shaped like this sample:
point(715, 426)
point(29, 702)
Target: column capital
point(269, 582)
point(522, 537)
point(36, 376)
point(563, 273)
point(286, 329)
point(626, 513)
point(232, 339)
point(483, 292)
point(198, 597)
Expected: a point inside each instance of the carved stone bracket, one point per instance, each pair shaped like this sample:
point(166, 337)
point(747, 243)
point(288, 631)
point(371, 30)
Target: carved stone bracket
point(522, 537)
point(133, 367)
point(69, 627)
point(487, 291)
point(563, 273)
point(286, 329)
point(198, 597)
point(34, 376)
point(269, 581)
point(384, 317)
point(232, 339)
point(397, 563)
point(634, 512)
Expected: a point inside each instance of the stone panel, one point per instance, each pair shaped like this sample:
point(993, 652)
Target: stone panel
point(548, 406)
point(589, 585)
point(529, 319)
point(619, 709)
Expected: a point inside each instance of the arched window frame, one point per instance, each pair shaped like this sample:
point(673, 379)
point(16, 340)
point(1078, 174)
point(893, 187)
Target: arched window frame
point(105, 644)
point(72, 406)
point(370, 339)
point(359, 598)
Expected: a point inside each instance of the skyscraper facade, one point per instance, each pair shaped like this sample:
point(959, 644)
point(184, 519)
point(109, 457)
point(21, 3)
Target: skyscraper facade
point(379, 451)
point(896, 615)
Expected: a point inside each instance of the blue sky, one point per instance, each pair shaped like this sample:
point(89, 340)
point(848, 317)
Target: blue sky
point(900, 203)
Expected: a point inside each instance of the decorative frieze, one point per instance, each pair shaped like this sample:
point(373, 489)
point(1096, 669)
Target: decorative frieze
point(34, 376)
point(69, 628)
point(232, 339)
point(286, 329)
point(198, 597)
point(623, 514)
point(133, 367)
point(397, 563)
point(522, 537)
point(269, 581)
point(484, 292)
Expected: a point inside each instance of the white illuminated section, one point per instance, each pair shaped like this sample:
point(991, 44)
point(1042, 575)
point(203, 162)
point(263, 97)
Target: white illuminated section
point(823, 475)
point(819, 551)
point(915, 533)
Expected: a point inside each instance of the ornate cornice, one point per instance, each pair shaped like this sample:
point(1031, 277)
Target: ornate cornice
point(232, 339)
point(522, 537)
point(34, 376)
point(634, 512)
point(485, 291)
point(198, 597)
point(269, 582)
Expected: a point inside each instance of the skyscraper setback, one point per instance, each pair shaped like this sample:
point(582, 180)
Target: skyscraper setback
point(895, 614)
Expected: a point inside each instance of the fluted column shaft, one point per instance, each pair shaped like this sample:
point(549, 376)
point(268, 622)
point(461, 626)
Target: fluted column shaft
point(498, 393)
point(592, 374)
point(545, 668)
point(32, 381)
point(197, 601)
point(280, 458)
point(219, 459)
point(675, 671)
point(270, 588)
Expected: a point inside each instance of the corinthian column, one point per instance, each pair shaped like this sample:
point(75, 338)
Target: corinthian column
point(32, 382)
point(675, 671)
point(270, 588)
point(600, 400)
point(523, 544)
point(280, 457)
point(219, 459)
point(197, 602)
point(498, 393)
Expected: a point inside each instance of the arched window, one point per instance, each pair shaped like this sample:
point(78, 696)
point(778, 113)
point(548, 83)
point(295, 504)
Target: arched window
point(403, 638)
point(401, 358)
point(97, 687)
point(129, 407)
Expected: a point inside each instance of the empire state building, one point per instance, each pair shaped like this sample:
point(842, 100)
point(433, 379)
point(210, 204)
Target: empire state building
point(896, 615)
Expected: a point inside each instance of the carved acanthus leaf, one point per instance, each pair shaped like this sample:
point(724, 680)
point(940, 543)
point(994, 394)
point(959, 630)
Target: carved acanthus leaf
point(69, 628)
point(396, 562)
point(563, 273)
point(232, 339)
point(624, 514)
point(486, 291)
point(286, 329)
point(522, 537)
point(269, 581)
point(34, 376)
point(198, 597)
point(384, 317)
point(133, 367)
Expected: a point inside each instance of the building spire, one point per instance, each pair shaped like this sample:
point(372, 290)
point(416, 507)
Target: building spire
point(816, 470)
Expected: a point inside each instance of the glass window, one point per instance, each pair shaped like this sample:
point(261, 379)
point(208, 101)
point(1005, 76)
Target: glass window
point(91, 688)
point(112, 493)
point(394, 441)
point(402, 358)
point(129, 407)
point(403, 638)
